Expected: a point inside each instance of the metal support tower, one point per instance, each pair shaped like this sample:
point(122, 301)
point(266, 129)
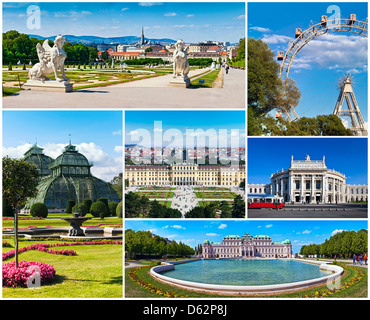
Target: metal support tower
point(346, 93)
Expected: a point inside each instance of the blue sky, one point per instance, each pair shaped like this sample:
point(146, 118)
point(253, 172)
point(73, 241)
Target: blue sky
point(194, 232)
point(322, 62)
point(183, 120)
point(190, 21)
point(269, 155)
point(97, 134)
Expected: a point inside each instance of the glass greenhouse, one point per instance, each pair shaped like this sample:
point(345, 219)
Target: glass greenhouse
point(70, 178)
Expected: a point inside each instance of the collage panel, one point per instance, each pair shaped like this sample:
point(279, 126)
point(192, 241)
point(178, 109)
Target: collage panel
point(266, 259)
point(307, 74)
point(184, 164)
point(125, 54)
point(308, 178)
point(62, 204)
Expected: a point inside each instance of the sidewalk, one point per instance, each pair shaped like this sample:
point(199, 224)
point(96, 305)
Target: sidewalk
point(145, 93)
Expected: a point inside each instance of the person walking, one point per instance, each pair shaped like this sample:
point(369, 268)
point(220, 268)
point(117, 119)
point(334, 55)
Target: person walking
point(365, 259)
point(354, 259)
point(361, 258)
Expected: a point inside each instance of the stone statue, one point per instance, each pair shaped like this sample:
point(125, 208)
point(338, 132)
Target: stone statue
point(180, 60)
point(51, 60)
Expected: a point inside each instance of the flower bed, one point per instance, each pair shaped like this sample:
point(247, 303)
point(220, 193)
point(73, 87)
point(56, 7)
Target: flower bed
point(150, 287)
point(45, 248)
point(345, 285)
point(17, 277)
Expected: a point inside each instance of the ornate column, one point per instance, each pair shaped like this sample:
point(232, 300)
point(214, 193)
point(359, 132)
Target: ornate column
point(323, 193)
point(312, 189)
point(291, 187)
point(302, 197)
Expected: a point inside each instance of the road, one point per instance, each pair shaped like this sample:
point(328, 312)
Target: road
point(145, 93)
point(312, 211)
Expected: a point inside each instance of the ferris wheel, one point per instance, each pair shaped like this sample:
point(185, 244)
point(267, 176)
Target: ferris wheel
point(325, 26)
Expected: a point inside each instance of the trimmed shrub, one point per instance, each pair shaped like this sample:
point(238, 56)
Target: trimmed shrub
point(70, 205)
point(119, 210)
point(97, 208)
point(112, 208)
point(104, 200)
point(87, 203)
point(38, 209)
point(81, 209)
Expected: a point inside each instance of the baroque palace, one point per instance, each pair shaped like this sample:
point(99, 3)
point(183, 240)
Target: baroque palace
point(184, 174)
point(247, 246)
point(310, 181)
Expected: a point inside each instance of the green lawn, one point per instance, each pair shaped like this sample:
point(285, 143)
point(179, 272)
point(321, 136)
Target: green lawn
point(208, 78)
point(215, 195)
point(156, 194)
point(357, 290)
point(165, 203)
point(95, 272)
point(54, 220)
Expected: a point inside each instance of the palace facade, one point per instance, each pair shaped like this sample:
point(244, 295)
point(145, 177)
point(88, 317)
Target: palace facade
point(184, 174)
point(247, 246)
point(310, 181)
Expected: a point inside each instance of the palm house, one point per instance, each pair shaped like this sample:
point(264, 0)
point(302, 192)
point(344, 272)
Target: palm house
point(68, 178)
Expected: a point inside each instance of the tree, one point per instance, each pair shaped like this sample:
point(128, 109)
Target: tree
point(238, 207)
point(117, 184)
point(263, 77)
point(20, 180)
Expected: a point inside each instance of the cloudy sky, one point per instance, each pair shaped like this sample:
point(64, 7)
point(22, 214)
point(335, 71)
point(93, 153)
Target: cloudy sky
point(194, 232)
point(97, 135)
point(191, 21)
point(322, 62)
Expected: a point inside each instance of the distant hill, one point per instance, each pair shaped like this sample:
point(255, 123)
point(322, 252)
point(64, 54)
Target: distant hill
point(99, 40)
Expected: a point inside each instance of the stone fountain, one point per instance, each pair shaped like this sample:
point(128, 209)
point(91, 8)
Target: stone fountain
point(76, 223)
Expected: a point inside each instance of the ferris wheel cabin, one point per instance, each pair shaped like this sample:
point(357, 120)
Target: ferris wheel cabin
point(298, 32)
point(280, 55)
point(352, 19)
point(323, 20)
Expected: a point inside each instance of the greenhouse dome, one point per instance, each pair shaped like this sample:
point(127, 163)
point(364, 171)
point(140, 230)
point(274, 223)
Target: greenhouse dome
point(70, 178)
point(36, 156)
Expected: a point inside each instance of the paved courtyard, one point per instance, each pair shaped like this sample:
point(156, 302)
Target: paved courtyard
point(145, 93)
point(312, 211)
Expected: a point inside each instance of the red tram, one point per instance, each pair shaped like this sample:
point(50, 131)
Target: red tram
point(259, 201)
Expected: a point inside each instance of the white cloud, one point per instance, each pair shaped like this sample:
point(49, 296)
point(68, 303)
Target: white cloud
point(117, 133)
point(176, 226)
point(212, 234)
point(337, 231)
point(260, 29)
point(189, 15)
point(306, 232)
point(268, 226)
point(222, 226)
point(149, 4)
point(170, 14)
